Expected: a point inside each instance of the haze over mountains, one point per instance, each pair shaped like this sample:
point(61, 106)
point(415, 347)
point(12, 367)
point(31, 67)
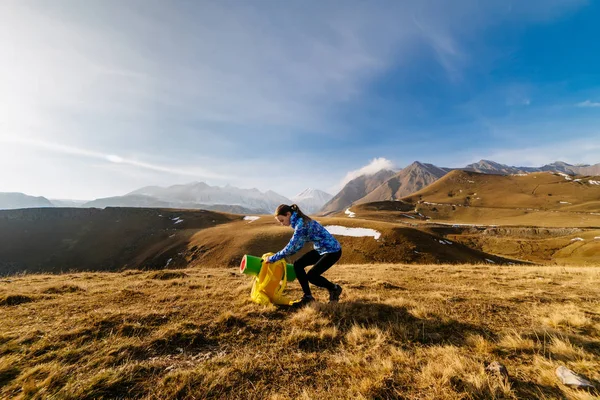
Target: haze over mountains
point(19, 200)
point(197, 195)
point(312, 200)
point(383, 185)
point(67, 203)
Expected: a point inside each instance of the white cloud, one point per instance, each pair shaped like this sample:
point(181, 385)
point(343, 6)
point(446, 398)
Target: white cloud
point(447, 50)
point(265, 64)
point(588, 103)
point(372, 168)
point(75, 151)
point(177, 83)
point(113, 158)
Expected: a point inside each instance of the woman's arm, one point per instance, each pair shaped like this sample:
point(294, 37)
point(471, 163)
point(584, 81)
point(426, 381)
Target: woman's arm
point(296, 242)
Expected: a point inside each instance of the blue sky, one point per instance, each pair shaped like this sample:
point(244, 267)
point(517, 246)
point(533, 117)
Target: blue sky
point(99, 98)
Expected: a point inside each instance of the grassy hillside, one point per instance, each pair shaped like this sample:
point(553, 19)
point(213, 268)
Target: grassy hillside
point(113, 239)
point(557, 246)
point(538, 199)
point(62, 239)
point(545, 243)
point(543, 190)
point(400, 331)
point(225, 245)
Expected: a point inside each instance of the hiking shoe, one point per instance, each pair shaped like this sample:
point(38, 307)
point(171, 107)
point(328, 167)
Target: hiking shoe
point(304, 301)
point(334, 295)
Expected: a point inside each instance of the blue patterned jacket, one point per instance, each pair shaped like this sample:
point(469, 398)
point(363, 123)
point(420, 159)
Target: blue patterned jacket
point(310, 231)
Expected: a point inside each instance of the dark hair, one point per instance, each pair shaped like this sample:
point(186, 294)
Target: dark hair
point(283, 209)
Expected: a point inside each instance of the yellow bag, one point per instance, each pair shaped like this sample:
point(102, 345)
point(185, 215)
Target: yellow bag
point(268, 286)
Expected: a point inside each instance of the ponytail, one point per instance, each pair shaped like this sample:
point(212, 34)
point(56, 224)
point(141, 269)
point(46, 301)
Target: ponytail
point(283, 209)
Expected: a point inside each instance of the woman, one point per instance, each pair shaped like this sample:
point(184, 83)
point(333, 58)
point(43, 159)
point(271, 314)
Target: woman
point(327, 251)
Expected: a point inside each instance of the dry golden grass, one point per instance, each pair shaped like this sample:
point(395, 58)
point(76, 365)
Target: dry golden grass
point(537, 199)
point(564, 246)
point(510, 216)
point(400, 332)
point(542, 190)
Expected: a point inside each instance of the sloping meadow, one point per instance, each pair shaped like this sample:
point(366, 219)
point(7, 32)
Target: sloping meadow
point(399, 331)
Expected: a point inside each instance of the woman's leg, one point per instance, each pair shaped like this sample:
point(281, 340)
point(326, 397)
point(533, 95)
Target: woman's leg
point(323, 264)
point(307, 259)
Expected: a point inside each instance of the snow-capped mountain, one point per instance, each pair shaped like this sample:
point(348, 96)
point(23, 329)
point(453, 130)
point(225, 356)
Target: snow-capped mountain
point(201, 193)
point(311, 200)
point(491, 167)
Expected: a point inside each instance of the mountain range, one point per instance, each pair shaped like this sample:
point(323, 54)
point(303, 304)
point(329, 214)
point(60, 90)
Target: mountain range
point(197, 195)
point(407, 181)
point(491, 167)
point(419, 175)
point(381, 186)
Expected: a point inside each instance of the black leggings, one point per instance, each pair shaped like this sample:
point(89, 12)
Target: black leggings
point(321, 264)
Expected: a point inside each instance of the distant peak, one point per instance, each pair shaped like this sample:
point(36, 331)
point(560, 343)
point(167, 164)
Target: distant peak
point(419, 164)
point(382, 171)
point(203, 184)
point(310, 192)
point(562, 163)
point(306, 192)
point(489, 162)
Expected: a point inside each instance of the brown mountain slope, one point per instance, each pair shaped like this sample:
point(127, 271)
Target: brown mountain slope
point(545, 191)
point(354, 190)
point(62, 239)
point(225, 245)
point(409, 180)
point(549, 237)
point(537, 199)
point(57, 240)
